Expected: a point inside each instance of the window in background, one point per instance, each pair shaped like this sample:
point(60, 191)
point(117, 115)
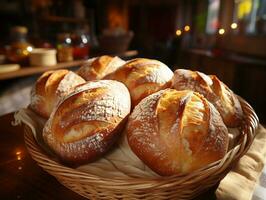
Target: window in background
point(250, 16)
point(213, 16)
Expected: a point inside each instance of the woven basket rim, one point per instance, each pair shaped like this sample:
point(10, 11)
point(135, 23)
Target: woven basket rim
point(250, 124)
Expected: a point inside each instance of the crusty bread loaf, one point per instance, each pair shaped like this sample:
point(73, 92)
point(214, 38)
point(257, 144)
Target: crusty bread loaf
point(214, 90)
point(87, 122)
point(97, 68)
point(50, 87)
point(175, 132)
point(142, 77)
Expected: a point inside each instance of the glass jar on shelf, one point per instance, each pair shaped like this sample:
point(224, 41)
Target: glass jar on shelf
point(81, 45)
point(64, 47)
point(19, 49)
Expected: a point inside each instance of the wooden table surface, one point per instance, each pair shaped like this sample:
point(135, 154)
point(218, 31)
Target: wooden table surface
point(22, 178)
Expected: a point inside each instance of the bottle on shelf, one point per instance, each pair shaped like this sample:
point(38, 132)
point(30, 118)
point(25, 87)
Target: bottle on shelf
point(19, 49)
point(64, 47)
point(81, 45)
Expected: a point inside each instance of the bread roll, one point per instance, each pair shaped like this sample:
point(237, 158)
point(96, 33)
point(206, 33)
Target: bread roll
point(214, 90)
point(97, 68)
point(142, 77)
point(87, 122)
point(175, 132)
point(50, 87)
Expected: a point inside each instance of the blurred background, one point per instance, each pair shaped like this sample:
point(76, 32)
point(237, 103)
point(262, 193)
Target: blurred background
point(222, 37)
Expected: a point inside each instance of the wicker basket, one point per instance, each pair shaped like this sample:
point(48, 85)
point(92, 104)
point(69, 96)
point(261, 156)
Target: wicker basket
point(173, 187)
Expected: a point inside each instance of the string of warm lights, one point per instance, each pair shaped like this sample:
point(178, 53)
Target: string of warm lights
point(187, 28)
point(234, 26)
point(18, 154)
point(221, 31)
point(19, 158)
point(179, 31)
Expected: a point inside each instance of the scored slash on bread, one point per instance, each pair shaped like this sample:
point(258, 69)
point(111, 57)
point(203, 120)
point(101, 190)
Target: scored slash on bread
point(214, 90)
point(176, 132)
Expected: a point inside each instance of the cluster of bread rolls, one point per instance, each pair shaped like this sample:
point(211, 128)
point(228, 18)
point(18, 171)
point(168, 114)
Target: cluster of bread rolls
point(177, 121)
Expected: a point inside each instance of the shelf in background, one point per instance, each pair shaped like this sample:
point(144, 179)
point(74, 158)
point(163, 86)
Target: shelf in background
point(234, 57)
point(26, 71)
point(56, 19)
point(31, 70)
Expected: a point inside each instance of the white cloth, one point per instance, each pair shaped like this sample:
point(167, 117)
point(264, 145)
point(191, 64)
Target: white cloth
point(120, 162)
point(240, 182)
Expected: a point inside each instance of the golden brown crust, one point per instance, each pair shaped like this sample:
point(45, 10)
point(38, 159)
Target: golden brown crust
point(97, 68)
point(142, 77)
point(50, 87)
point(214, 90)
point(87, 122)
point(176, 132)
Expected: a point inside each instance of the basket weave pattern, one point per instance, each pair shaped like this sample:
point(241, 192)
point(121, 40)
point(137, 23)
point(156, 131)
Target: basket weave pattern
point(185, 186)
